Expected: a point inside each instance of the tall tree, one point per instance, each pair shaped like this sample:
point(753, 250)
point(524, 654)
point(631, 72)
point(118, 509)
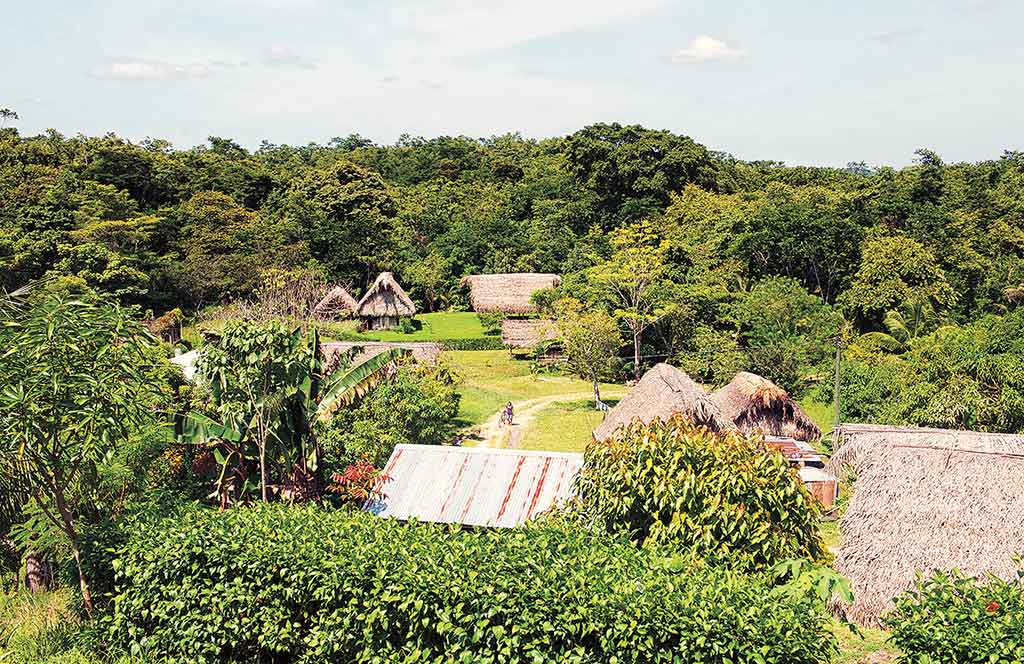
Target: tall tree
point(635, 279)
point(74, 389)
point(590, 339)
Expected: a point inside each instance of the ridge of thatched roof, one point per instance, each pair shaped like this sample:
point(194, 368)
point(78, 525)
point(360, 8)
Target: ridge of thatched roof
point(923, 500)
point(661, 393)
point(508, 293)
point(754, 403)
point(527, 333)
point(385, 297)
point(337, 302)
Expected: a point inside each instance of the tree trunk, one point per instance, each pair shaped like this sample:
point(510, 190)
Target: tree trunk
point(38, 573)
point(263, 471)
point(636, 354)
point(69, 530)
point(597, 394)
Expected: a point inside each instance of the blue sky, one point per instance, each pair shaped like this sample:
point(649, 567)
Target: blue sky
point(804, 82)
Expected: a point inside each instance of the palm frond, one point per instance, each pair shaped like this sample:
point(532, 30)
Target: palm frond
point(345, 386)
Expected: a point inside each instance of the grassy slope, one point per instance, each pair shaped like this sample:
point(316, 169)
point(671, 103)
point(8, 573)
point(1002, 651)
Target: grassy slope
point(563, 427)
point(491, 378)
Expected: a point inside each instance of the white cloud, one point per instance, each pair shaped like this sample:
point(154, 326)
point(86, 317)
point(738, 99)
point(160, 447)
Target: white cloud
point(706, 49)
point(149, 70)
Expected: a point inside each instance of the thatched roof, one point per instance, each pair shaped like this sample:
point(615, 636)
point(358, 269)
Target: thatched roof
point(338, 303)
point(425, 352)
point(385, 298)
point(926, 499)
point(527, 333)
point(661, 393)
point(752, 403)
point(508, 293)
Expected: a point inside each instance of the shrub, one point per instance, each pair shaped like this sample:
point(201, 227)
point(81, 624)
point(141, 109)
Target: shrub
point(491, 322)
point(474, 343)
point(301, 584)
point(952, 617)
point(684, 488)
point(416, 406)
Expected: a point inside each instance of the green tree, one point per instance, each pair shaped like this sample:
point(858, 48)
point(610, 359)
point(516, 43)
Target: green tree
point(590, 340)
point(895, 270)
point(74, 389)
point(635, 280)
point(346, 212)
point(269, 383)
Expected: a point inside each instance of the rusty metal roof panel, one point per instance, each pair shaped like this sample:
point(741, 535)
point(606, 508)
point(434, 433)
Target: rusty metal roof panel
point(474, 486)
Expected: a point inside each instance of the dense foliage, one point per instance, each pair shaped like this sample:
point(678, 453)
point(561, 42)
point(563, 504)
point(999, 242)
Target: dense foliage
point(306, 585)
point(80, 381)
point(417, 405)
point(677, 487)
point(953, 617)
point(169, 228)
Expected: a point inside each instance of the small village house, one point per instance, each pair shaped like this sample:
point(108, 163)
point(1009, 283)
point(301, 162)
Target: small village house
point(385, 304)
point(338, 304)
point(923, 500)
point(507, 293)
point(752, 403)
point(523, 336)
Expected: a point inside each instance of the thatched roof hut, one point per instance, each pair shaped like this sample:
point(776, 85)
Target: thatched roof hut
point(507, 293)
point(338, 303)
point(663, 392)
point(385, 303)
point(527, 333)
point(752, 403)
point(926, 499)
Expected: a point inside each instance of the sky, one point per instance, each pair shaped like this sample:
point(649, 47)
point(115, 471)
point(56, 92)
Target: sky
point(821, 82)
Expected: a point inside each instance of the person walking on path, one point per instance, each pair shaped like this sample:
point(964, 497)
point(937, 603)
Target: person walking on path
point(508, 414)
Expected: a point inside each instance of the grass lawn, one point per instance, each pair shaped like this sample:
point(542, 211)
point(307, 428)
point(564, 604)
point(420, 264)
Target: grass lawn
point(491, 378)
point(563, 427)
point(435, 327)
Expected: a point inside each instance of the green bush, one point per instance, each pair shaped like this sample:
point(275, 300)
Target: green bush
point(952, 617)
point(491, 322)
point(683, 488)
point(416, 406)
point(302, 584)
point(471, 343)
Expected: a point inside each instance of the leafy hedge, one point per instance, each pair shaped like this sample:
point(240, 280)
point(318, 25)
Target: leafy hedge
point(682, 488)
point(474, 343)
point(301, 584)
point(957, 618)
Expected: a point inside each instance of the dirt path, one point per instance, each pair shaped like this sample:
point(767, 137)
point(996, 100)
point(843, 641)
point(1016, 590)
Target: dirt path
point(493, 433)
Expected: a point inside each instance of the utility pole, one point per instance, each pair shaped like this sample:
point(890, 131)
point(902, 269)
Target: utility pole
point(835, 385)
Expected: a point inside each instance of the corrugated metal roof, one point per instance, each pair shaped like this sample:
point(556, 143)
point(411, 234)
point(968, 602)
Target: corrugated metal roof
point(474, 486)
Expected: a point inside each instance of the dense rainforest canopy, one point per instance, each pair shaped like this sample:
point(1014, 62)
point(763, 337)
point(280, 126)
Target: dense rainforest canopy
point(762, 266)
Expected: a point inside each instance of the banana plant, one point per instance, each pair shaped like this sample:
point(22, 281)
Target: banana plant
point(268, 385)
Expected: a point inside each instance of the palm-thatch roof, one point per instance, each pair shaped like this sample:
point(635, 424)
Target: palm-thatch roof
point(663, 392)
point(752, 403)
point(338, 303)
point(424, 352)
point(385, 299)
point(508, 293)
point(527, 333)
point(926, 499)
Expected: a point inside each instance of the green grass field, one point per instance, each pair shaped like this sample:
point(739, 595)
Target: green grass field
point(435, 327)
point(563, 427)
point(491, 378)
